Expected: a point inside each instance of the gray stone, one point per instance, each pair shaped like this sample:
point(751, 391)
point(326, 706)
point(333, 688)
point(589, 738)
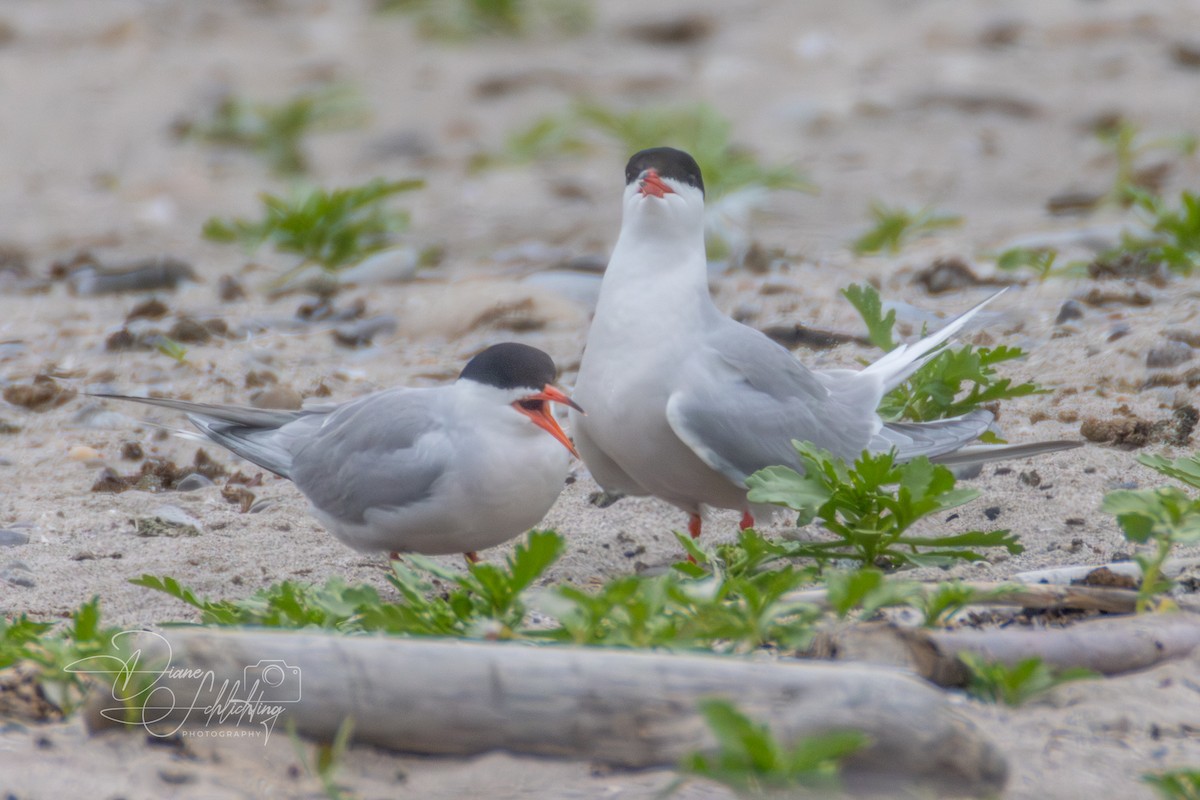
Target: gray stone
point(18, 573)
point(193, 482)
point(1170, 354)
point(11, 538)
point(1071, 309)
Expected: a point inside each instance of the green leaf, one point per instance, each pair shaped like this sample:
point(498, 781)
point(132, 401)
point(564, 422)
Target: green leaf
point(866, 590)
point(893, 226)
point(1013, 685)
point(786, 487)
point(936, 390)
point(870, 505)
point(1179, 784)
point(277, 132)
point(331, 228)
point(867, 302)
point(749, 757)
point(1185, 470)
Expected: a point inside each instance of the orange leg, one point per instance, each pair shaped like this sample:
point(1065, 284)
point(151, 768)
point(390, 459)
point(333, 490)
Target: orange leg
point(747, 521)
point(694, 530)
point(471, 557)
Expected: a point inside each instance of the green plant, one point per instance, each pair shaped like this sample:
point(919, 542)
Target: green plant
point(870, 505)
point(750, 759)
point(689, 607)
point(698, 129)
point(935, 391)
point(945, 599)
point(1176, 784)
point(1040, 261)
point(996, 682)
point(485, 601)
point(893, 226)
point(331, 606)
point(1162, 518)
point(1185, 470)
point(1174, 233)
point(330, 229)
point(326, 758)
point(460, 19)
point(170, 348)
point(276, 132)
point(1128, 146)
point(701, 131)
point(57, 651)
point(866, 591)
point(707, 604)
point(870, 307)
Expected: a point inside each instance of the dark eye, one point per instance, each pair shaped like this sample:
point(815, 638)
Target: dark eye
point(530, 405)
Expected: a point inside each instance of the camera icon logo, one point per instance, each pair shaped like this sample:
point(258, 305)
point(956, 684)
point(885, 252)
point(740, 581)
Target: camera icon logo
point(275, 680)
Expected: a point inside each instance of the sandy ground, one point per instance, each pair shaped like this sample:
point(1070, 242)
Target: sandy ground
point(966, 106)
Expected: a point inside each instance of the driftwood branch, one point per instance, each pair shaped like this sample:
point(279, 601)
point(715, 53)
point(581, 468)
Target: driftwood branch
point(1061, 575)
point(628, 709)
point(1109, 646)
point(1044, 597)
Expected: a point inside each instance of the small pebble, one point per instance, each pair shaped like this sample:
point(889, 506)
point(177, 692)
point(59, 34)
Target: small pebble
point(229, 289)
point(82, 452)
point(1069, 310)
point(11, 538)
point(167, 521)
point(1170, 354)
point(176, 777)
point(362, 332)
point(18, 573)
point(141, 276)
point(193, 482)
point(148, 309)
point(188, 331)
point(261, 505)
point(277, 397)
point(1186, 54)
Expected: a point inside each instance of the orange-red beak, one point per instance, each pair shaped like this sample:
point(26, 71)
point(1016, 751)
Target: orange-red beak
point(653, 185)
point(536, 407)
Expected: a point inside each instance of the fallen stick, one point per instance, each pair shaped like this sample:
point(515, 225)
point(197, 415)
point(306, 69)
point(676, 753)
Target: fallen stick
point(1109, 646)
point(622, 708)
point(1040, 596)
point(1065, 575)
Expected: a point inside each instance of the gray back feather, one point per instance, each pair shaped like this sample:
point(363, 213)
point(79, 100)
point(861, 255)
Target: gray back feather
point(384, 450)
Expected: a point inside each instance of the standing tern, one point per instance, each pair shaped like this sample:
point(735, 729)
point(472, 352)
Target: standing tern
point(684, 403)
point(448, 469)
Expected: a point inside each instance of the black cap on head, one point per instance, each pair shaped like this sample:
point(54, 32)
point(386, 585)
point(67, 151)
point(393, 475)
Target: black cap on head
point(669, 162)
point(510, 366)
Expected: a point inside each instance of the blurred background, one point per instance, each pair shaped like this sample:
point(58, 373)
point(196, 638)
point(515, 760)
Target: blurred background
point(127, 125)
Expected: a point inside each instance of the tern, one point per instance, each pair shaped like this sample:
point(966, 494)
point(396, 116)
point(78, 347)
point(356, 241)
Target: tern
point(684, 403)
point(446, 469)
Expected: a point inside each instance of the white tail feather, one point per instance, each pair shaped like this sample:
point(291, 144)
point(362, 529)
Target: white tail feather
point(894, 368)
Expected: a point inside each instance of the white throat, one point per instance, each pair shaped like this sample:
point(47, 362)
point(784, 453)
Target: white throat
point(658, 270)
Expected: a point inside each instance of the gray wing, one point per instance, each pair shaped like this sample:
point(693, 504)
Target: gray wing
point(742, 399)
point(386, 450)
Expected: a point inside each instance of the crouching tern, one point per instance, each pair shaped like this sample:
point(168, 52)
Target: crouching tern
point(684, 403)
point(447, 469)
